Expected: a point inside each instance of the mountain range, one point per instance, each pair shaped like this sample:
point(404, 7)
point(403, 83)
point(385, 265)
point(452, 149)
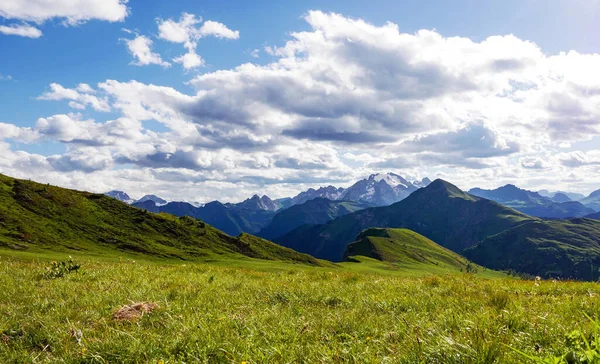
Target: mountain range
point(254, 214)
point(312, 212)
point(432, 226)
point(592, 201)
point(486, 232)
point(552, 195)
point(534, 204)
point(249, 216)
point(440, 211)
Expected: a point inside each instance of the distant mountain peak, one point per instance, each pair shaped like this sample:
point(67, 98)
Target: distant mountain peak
point(595, 194)
point(156, 199)
point(382, 189)
point(561, 197)
point(329, 192)
point(258, 203)
point(120, 195)
point(440, 185)
point(391, 179)
point(423, 183)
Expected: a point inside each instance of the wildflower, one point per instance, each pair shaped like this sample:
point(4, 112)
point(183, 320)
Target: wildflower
point(83, 350)
point(368, 338)
point(161, 362)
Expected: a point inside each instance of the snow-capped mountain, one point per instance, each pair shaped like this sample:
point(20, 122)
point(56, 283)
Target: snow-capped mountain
point(382, 189)
point(121, 196)
point(378, 189)
point(329, 192)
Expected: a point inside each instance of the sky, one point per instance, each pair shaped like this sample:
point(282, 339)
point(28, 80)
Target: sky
point(204, 100)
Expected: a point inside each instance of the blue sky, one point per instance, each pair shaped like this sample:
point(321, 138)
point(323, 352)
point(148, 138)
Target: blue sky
point(89, 45)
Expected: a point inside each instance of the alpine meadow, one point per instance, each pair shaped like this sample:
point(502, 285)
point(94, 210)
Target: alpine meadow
point(301, 182)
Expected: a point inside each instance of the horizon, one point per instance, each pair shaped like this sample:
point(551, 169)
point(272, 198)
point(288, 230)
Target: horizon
point(323, 186)
point(196, 103)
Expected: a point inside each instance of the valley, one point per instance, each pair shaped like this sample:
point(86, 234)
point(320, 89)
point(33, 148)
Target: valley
point(457, 287)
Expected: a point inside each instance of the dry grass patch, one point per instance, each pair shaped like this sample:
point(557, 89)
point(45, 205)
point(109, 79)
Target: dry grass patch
point(134, 311)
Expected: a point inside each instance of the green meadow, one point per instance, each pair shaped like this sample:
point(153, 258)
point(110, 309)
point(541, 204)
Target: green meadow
point(254, 311)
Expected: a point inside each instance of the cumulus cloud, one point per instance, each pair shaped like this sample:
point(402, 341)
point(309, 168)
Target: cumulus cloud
point(579, 158)
point(86, 161)
point(23, 30)
point(218, 30)
point(72, 12)
point(474, 140)
point(80, 97)
point(188, 32)
point(182, 31)
point(343, 92)
point(534, 163)
point(190, 60)
point(140, 48)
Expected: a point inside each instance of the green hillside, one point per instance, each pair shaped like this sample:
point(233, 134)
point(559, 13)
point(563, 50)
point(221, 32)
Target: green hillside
point(406, 249)
point(312, 212)
point(37, 217)
point(440, 211)
point(548, 248)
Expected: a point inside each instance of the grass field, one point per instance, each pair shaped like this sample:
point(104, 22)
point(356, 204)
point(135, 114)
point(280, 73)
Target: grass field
point(272, 312)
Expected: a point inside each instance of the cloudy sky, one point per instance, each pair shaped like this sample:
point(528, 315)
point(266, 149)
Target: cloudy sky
point(199, 101)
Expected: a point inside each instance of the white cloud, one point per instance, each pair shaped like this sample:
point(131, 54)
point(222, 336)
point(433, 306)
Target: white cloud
point(76, 105)
point(73, 12)
point(22, 30)
point(218, 30)
point(190, 60)
point(85, 88)
point(5, 77)
point(534, 163)
point(182, 31)
point(338, 101)
point(186, 32)
point(81, 96)
point(255, 53)
point(579, 158)
point(140, 49)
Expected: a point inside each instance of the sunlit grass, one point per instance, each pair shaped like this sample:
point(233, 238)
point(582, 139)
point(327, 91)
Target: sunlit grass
point(274, 312)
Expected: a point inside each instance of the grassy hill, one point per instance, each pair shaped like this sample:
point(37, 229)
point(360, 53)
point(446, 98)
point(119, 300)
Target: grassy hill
point(548, 248)
point(440, 211)
point(407, 249)
point(312, 212)
point(37, 217)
